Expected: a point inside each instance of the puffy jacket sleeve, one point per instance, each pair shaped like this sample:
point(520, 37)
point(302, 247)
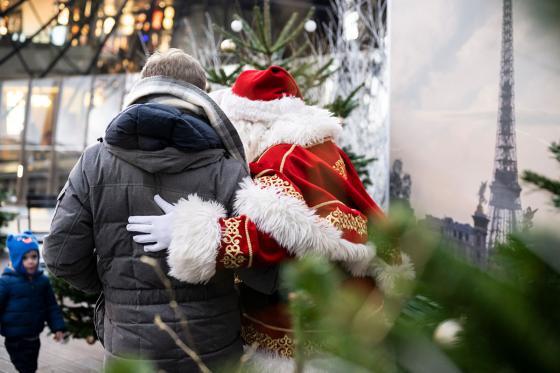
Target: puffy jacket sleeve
point(3, 295)
point(69, 248)
point(54, 314)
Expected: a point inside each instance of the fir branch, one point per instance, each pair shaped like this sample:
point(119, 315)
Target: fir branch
point(298, 29)
point(544, 183)
point(267, 27)
point(186, 349)
point(258, 24)
point(282, 37)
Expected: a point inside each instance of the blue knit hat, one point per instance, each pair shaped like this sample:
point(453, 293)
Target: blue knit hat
point(19, 245)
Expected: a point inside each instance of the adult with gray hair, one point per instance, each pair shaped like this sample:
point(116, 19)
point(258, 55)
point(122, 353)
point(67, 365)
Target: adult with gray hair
point(172, 140)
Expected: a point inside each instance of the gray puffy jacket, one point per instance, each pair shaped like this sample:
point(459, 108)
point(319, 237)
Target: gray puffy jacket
point(89, 247)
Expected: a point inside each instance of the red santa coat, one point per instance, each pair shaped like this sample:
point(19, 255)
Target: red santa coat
point(300, 200)
point(304, 197)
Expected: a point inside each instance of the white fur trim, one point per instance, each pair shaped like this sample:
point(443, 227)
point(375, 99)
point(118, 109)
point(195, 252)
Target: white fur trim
point(295, 226)
point(262, 124)
point(195, 240)
point(264, 361)
point(261, 361)
point(390, 276)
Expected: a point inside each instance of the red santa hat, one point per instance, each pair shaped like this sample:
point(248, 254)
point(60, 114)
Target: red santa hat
point(266, 85)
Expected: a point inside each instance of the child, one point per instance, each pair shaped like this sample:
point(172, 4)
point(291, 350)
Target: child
point(26, 302)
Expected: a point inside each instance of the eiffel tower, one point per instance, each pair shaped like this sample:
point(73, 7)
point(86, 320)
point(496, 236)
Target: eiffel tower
point(505, 203)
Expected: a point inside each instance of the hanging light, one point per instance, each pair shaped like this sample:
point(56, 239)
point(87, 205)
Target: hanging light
point(87, 9)
point(108, 24)
point(58, 35)
point(310, 25)
point(236, 25)
point(127, 30)
point(110, 9)
point(76, 15)
point(64, 16)
point(3, 30)
point(169, 12)
point(157, 18)
point(127, 19)
point(98, 28)
point(167, 23)
point(127, 23)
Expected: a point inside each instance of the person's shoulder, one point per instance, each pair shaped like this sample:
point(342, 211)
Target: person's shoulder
point(10, 282)
point(8, 276)
point(92, 150)
point(90, 156)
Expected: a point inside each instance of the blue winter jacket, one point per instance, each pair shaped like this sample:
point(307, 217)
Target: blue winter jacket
point(26, 303)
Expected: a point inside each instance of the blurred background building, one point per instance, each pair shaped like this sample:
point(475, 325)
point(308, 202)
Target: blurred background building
point(65, 66)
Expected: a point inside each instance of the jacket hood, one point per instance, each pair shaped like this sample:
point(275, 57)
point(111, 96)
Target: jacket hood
point(168, 160)
point(18, 246)
point(162, 138)
point(153, 126)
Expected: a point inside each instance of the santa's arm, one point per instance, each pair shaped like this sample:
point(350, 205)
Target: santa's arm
point(205, 240)
point(273, 222)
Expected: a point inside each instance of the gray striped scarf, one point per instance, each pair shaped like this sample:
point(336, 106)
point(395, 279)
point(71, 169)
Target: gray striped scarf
point(161, 85)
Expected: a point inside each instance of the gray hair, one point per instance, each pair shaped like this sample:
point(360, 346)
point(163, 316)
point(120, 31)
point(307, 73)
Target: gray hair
point(175, 64)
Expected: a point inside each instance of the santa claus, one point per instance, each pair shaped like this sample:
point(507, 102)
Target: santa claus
point(304, 197)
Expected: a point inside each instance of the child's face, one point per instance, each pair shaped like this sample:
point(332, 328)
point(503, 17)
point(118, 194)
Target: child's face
point(30, 262)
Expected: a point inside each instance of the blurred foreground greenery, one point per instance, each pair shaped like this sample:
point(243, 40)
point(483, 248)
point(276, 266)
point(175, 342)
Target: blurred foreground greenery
point(454, 317)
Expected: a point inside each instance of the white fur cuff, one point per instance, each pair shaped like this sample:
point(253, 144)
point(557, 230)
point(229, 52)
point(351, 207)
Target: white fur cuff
point(196, 240)
point(295, 226)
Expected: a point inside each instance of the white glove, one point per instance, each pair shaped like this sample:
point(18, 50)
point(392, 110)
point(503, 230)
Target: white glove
point(158, 228)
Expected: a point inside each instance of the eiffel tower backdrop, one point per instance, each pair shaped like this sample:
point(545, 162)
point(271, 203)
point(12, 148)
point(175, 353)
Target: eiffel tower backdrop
point(477, 241)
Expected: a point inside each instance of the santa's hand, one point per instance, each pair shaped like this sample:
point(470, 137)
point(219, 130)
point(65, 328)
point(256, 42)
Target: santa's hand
point(157, 229)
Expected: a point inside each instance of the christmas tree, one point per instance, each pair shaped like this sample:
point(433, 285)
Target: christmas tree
point(253, 44)
point(77, 308)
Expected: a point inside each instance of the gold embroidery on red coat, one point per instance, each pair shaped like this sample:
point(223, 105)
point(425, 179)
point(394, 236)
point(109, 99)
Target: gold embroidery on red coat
point(249, 245)
point(340, 167)
point(233, 256)
point(342, 221)
point(283, 346)
point(283, 185)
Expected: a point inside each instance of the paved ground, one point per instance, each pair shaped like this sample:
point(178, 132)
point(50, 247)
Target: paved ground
point(74, 357)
